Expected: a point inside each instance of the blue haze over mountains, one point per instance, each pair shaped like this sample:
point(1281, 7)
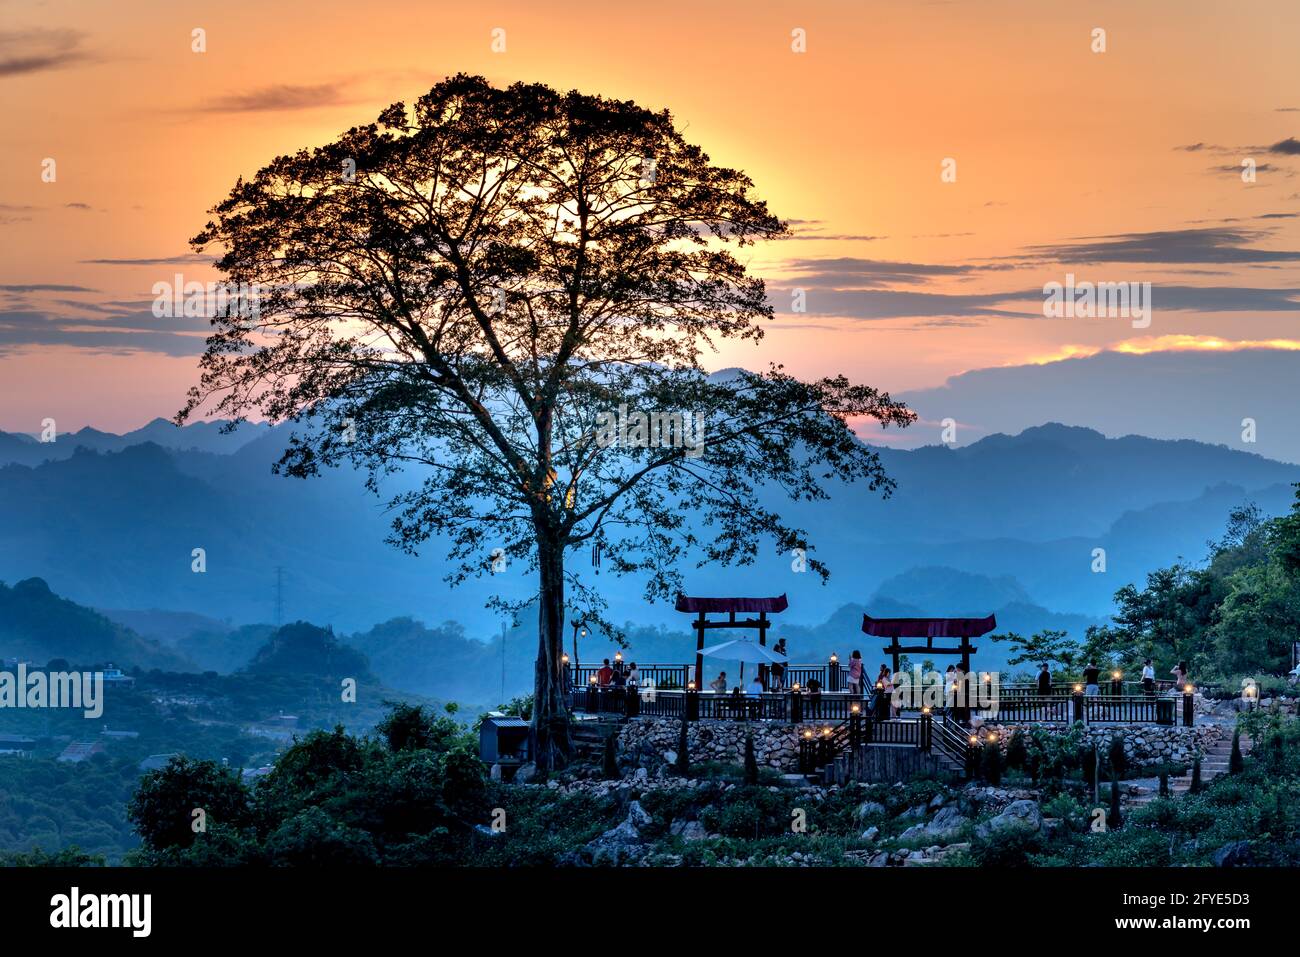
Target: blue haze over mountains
point(1005, 524)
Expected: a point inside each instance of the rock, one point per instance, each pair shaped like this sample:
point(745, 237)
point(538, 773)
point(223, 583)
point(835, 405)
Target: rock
point(870, 809)
point(641, 775)
point(948, 819)
point(639, 817)
point(495, 772)
point(1236, 854)
point(625, 833)
point(1019, 815)
point(670, 757)
point(937, 802)
point(913, 813)
point(487, 831)
point(871, 833)
point(526, 773)
point(880, 860)
point(916, 830)
point(689, 830)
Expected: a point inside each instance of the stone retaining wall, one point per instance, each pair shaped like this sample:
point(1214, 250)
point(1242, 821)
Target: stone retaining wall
point(775, 745)
point(1143, 744)
point(646, 741)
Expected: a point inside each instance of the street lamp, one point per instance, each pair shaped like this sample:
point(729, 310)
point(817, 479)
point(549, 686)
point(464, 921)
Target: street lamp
point(578, 629)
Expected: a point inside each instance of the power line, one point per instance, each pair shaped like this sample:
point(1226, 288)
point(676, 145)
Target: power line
point(279, 596)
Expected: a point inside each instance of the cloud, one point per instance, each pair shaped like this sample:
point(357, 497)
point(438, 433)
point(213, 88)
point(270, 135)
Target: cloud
point(1146, 345)
point(184, 259)
point(278, 98)
point(1259, 168)
point(1287, 147)
point(139, 331)
point(1214, 245)
point(34, 51)
point(867, 273)
point(969, 309)
point(872, 304)
point(42, 287)
point(808, 229)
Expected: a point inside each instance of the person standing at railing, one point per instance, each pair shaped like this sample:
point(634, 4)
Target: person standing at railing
point(1044, 681)
point(856, 668)
point(814, 698)
point(1091, 675)
point(719, 684)
point(633, 676)
point(1179, 671)
point(1148, 679)
point(777, 671)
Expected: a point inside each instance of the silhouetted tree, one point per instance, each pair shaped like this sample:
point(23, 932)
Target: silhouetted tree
point(1090, 761)
point(991, 763)
point(610, 756)
point(163, 808)
point(485, 286)
point(1017, 753)
point(1118, 760)
point(751, 762)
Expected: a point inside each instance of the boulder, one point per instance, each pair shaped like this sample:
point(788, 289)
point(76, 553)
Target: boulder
point(916, 830)
point(1019, 815)
point(871, 809)
point(637, 815)
point(526, 773)
point(871, 833)
point(948, 820)
point(689, 830)
point(1236, 854)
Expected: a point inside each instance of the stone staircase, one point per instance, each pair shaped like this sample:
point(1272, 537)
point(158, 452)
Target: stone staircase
point(886, 763)
point(589, 734)
point(1213, 763)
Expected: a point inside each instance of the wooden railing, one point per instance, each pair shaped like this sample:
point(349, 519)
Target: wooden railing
point(1090, 709)
point(791, 707)
point(797, 707)
point(672, 677)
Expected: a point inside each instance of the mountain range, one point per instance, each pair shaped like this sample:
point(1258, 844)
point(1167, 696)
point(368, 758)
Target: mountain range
point(1004, 523)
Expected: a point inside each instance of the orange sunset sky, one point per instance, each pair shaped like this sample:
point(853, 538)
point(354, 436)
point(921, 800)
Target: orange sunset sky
point(1116, 165)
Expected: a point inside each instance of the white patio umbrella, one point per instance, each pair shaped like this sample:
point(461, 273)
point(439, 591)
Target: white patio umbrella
point(743, 650)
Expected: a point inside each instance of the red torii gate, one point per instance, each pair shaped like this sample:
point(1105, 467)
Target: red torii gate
point(930, 629)
point(703, 607)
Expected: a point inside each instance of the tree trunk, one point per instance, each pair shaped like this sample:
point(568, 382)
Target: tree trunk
point(553, 744)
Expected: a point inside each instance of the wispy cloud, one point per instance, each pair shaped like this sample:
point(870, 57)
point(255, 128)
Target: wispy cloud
point(1212, 245)
point(35, 51)
point(138, 331)
point(184, 259)
point(278, 98)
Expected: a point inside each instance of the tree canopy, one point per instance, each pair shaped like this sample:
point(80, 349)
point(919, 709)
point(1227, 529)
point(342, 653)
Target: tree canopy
point(511, 291)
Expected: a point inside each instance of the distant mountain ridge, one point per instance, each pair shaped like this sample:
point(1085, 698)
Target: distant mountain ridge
point(37, 625)
point(117, 529)
point(18, 447)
